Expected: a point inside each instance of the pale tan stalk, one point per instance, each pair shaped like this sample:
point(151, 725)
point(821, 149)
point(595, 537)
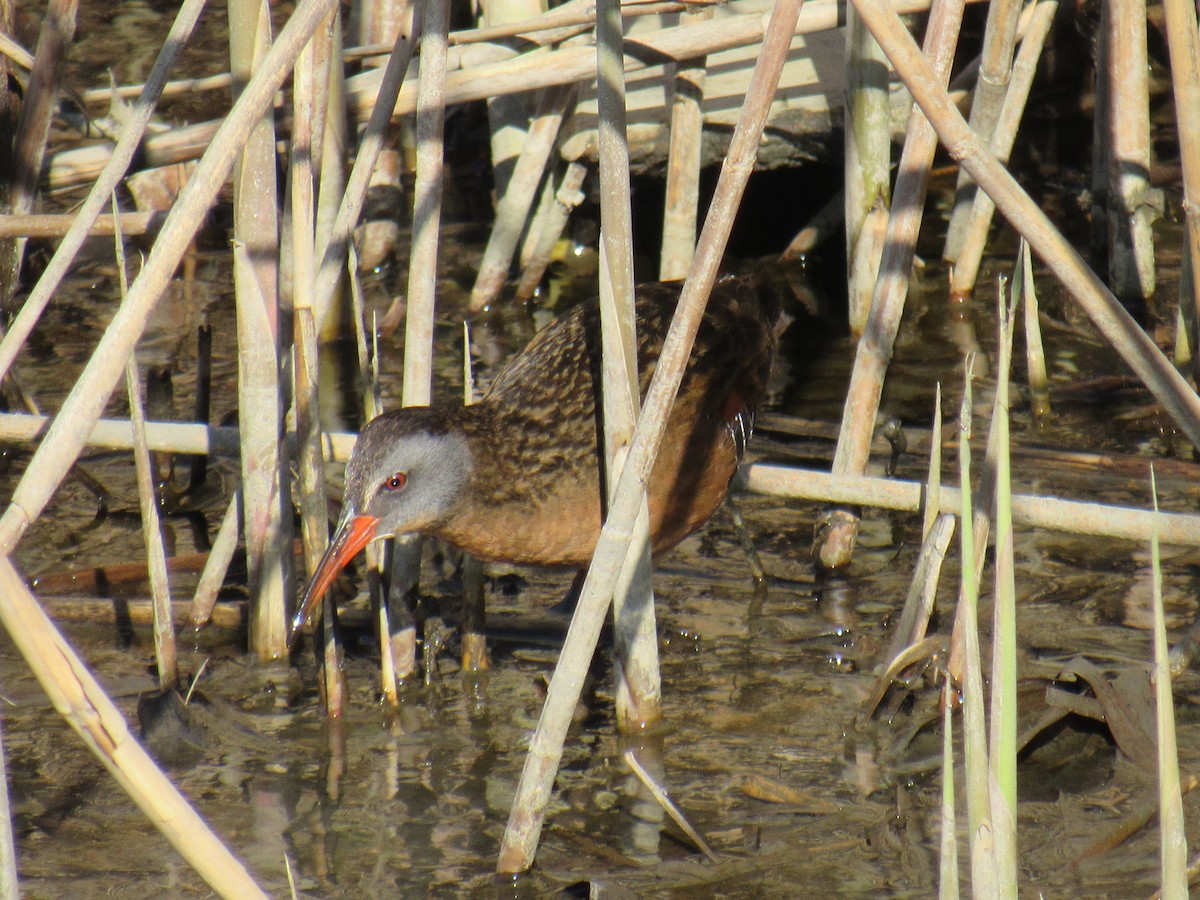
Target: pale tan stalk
point(635, 637)
point(513, 209)
point(1047, 513)
point(266, 484)
point(172, 437)
point(1184, 46)
point(545, 752)
point(682, 199)
point(1131, 207)
point(991, 87)
point(82, 702)
point(874, 350)
point(55, 225)
point(868, 165)
point(106, 180)
point(165, 656)
point(10, 885)
point(973, 237)
point(40, 99)
point(212, 577)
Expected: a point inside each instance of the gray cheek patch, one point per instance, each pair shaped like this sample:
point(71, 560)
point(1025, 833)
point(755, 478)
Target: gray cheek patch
point(438, 468)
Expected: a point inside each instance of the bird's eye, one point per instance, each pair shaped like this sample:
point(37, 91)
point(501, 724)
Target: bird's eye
point(396, 481)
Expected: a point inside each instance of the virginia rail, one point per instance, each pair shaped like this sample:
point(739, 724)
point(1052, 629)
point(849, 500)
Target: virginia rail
point(517, 477)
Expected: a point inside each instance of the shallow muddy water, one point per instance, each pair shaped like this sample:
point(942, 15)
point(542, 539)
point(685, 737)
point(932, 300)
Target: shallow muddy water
point(414, 801)
point(408, 802)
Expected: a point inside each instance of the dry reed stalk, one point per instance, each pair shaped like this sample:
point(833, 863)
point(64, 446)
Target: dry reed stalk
point(868, 158)
point(33, 128)
point(266, 501)
point(972, 238)
point(1184, 47)
point(51, 225)
point(106, 181)
point(219, 557)
point(545, 751)
point(1131, 208)
point(314, 513)
point(1047, 513)
point(329, 136)
point(165, 655)
point(1035, 353)
point(547, 229)
point(83, 406)
point(166, 658)
point(427, 206)
point(171, 437)
point(474, 612)
point(513, 209)
point(635, 637)
point(422, 284)
point(874, 350)
point(10, 886)
point(359, 181)
point(82, 702)
point(1106, 313)
point(682, 200)
point(991, 86)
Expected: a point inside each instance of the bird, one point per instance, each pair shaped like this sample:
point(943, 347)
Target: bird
point(518, 476)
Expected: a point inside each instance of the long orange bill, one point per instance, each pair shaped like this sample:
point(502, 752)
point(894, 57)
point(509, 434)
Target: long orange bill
point(351, 536)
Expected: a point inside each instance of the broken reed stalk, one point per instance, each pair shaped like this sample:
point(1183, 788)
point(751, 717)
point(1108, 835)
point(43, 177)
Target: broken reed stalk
point(513, 210)
point(106, 181)
point(548, 229)
point(1047, 513)
point(82, 702)
point(33, 128)
point(165, 656)
point(991, 85)
point(933, 481)
point(266, 499)
point(682, 199)
point(545, 751)
point(1130, 209)
point(1183, 44)
point(1106, 313)
point(973, 237)
point(874, 350)
point(868, 165)
point(83, 406)
point(212, 577)
point(635, 636)
point(1035, 353)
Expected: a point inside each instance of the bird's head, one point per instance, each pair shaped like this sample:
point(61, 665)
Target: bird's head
point(407, 471)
